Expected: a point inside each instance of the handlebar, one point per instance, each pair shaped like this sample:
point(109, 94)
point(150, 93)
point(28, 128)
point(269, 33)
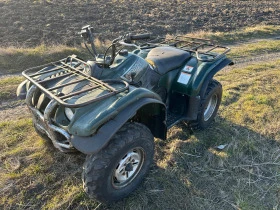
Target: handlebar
point(129, 44)
point(140, 36)
point(87, 34)
point(130, 37)
point(126, 40)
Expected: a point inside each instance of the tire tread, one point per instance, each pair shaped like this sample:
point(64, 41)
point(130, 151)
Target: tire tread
point(96, 164)
point(195, 124)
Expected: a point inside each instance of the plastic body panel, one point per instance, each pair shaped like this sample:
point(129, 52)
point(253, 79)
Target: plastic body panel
point(201, 72)
point(88, 119)
point(94, 143)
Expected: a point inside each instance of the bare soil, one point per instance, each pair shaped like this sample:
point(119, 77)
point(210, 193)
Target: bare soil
point(29, 23)
point(8, 113)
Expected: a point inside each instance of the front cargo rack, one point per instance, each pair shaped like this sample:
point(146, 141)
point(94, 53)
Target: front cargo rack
point(204, 49)
point(71, 67)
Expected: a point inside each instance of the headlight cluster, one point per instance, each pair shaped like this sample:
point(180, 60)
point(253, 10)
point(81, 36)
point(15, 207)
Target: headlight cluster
point(69, 113)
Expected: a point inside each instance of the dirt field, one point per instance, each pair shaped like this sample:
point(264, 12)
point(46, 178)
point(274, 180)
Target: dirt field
point(31, 22)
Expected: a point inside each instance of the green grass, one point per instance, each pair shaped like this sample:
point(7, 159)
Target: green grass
point(189, 172)
point(251, 95)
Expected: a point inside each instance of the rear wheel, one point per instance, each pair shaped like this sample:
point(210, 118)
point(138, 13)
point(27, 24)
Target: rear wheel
point(118, 169)
point(209, 106)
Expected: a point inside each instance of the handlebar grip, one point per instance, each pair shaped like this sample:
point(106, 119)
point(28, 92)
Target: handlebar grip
point(140, 36)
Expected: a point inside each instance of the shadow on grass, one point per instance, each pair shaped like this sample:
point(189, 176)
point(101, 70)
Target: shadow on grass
point(192, 173)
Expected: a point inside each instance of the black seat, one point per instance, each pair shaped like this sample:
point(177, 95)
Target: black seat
point(167, 58)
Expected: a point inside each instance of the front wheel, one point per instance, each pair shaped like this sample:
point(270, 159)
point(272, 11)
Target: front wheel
point(209, 105)
point(118, 169)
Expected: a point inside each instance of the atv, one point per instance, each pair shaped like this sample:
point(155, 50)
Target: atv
point(112, 107)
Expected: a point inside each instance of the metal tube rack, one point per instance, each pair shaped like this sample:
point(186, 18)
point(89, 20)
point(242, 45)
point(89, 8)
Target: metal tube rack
point(191, 44)
point(66, 68)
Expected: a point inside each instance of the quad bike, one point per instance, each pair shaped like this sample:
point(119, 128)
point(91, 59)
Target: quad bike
point(111, 108)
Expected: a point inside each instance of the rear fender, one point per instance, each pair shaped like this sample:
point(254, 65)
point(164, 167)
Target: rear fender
point(196, 80)
point(154, 119)
point(212, 73)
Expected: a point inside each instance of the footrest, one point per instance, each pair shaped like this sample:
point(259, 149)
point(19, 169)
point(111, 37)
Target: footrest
point(173, 119)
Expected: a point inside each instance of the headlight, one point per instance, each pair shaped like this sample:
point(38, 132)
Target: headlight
point(69, 113)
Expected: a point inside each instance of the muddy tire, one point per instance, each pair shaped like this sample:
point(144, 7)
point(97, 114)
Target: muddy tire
point(117, 170)
point(209, 106)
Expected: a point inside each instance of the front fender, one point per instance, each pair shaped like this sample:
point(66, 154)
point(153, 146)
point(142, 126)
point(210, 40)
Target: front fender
point(21, 90)
point(88, 119)
point(93, 144)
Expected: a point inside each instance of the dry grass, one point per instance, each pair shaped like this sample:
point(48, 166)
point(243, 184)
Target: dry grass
point(259, 47)
point(15, 60)
point(189, 171)
point(241, 35)
point(8, 86)
point(32, 173)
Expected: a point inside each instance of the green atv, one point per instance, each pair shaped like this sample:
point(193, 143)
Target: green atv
point(111, 108)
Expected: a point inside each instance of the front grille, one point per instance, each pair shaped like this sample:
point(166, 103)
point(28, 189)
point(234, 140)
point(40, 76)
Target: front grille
point(43, 121)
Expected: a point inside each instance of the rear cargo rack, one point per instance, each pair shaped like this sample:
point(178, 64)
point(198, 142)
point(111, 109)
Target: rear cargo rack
point(204, 49)
point(71, 67)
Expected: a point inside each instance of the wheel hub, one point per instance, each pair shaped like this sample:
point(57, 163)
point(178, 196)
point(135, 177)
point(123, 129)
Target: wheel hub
point(128, 167)
point(211, 106)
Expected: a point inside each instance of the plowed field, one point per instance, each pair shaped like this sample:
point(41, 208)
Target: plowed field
point(32, 22)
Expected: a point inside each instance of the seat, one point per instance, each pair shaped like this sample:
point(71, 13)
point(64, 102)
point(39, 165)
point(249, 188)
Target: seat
point(167, 58)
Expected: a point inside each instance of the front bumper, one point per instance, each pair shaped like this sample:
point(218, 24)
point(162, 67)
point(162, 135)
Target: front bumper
point(59, 137)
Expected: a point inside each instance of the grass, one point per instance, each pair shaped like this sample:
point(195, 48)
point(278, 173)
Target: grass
point(263, 47)
point(189, 172)
point(253, 97)
point(241, 35)
point(8, 87)
point(15, 60)
point(31, 172)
